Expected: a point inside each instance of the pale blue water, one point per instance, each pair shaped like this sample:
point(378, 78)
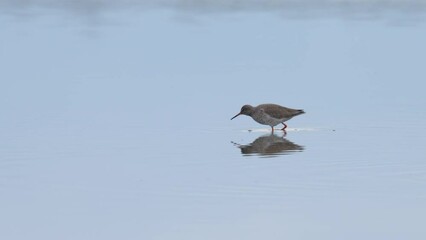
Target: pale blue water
point(115, 123)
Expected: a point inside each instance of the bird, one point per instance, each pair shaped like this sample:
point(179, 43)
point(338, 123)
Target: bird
point(270, 114)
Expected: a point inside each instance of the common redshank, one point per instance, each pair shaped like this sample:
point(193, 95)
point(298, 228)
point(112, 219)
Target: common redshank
point(270, 114)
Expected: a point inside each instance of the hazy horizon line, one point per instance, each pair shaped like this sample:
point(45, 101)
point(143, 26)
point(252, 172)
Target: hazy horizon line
point(289, 8)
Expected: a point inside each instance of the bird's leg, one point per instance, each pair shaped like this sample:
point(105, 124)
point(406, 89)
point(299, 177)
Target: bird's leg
point(272, 129)
point(285, 126)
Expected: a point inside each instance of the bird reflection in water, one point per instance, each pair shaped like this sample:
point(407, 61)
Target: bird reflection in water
point(269, 145)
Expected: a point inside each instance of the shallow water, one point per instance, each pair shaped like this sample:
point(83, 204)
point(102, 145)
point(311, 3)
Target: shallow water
point(116, 125)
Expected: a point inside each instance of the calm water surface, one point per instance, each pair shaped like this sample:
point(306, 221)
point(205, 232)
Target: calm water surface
point(116, 125)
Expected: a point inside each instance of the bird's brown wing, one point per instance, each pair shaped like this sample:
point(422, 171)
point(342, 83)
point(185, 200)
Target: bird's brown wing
point(283, 112)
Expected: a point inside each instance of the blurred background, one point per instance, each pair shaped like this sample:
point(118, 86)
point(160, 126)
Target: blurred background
point(115, 119)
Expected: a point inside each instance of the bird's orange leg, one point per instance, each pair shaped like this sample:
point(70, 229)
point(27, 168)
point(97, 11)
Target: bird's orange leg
point(285, 126)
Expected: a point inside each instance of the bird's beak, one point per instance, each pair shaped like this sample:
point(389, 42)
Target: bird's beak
point(236, 116)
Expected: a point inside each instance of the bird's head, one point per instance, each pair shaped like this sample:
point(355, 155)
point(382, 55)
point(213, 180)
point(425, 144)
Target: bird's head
point(245, 110)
